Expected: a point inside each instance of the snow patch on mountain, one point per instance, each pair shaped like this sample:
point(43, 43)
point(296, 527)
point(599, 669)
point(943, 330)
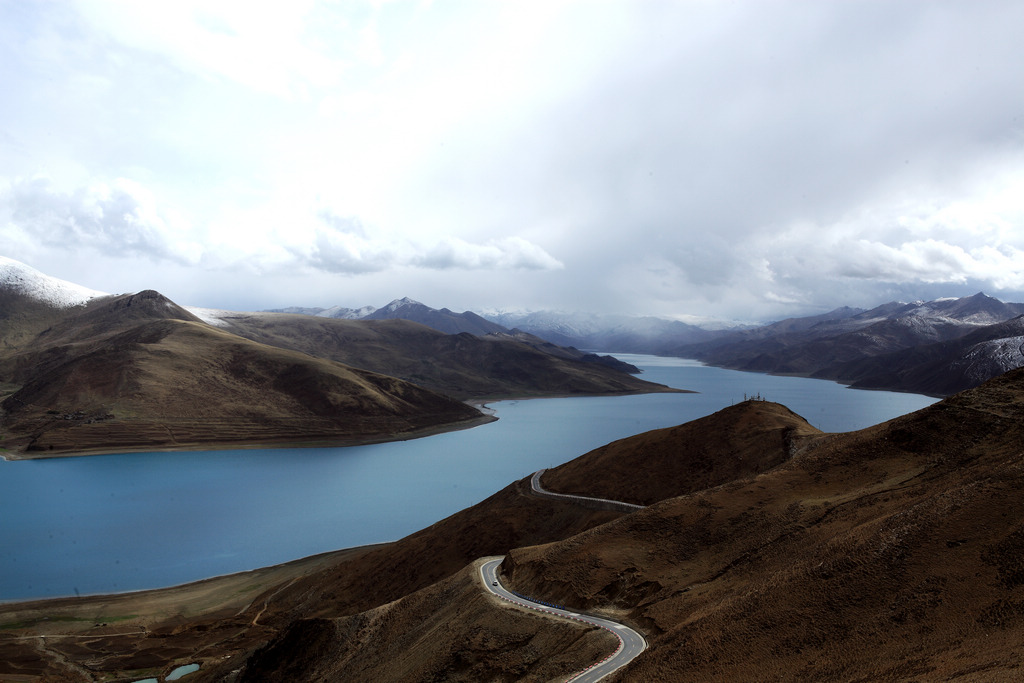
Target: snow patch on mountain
point(346, 313)
point(1006, 352)
point(990, 358)
point(53, 291)
point(211, 316)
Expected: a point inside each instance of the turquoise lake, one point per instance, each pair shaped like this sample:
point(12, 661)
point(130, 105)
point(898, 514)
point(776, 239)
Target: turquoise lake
point(112, 523)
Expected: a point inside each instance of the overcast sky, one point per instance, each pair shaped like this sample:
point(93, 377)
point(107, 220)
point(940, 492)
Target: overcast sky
point(744, 160)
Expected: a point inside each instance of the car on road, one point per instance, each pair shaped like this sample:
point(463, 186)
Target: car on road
point(494, 583)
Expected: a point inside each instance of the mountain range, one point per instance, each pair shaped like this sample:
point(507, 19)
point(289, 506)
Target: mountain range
point(931, 347)
point(82, 371)
point(936, 347)
point(765, 550)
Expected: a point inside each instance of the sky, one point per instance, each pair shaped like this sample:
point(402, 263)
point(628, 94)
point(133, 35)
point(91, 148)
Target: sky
point(739, 160)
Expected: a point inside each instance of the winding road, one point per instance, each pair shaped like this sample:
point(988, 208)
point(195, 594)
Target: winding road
point(631, 643)
point(603, 503)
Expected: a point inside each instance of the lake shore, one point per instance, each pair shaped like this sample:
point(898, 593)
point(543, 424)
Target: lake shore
point(68, 615)
point(13, 454)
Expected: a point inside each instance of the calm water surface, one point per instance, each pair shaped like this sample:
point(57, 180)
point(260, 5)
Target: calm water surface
point(112, 523)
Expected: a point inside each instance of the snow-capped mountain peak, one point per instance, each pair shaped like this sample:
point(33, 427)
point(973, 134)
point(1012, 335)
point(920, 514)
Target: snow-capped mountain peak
point(400, 303)
point(55, 292)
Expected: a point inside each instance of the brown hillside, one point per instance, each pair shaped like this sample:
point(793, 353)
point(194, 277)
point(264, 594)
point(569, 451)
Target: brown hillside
point(894, 553)
point(508, 519)
point(175, 383)
point(449, 631)
point(139, 372)
point(461, 365)
point(22, 318)
point(737, 442)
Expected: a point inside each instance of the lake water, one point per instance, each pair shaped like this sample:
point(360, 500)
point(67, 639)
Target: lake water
point(113, 523)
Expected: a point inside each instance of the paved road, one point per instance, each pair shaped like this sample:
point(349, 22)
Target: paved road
point(631, 643)
point(603, 503)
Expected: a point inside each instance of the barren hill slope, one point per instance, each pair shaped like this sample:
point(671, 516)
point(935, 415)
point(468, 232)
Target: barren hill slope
point(448, 631)
point(893, 553)
point(462, 365)
point(734, 443)
point(138, 371)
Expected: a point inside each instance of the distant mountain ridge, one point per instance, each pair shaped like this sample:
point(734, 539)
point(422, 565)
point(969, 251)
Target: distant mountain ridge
point(467, 322)
point(837, 345)
point(897, 346)
point(442, 320)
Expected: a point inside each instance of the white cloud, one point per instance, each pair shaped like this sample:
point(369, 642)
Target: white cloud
point(120, 219)
point(123, 219)
point(264, 46)
point(509, 253)
point(970, 232)
point(345, 251)
point(344, 245)
point(932, 261)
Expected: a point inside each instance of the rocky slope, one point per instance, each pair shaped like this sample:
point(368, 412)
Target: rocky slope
point(942, 368)
point(449, 631)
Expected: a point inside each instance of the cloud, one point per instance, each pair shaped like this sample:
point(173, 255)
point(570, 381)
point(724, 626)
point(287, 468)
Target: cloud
point(119, 219)
point(932, 261)
point(926, 235)
point(344, 245)
point(122, 219)
point(344, 249)
point(509, 253)
point(267, 49)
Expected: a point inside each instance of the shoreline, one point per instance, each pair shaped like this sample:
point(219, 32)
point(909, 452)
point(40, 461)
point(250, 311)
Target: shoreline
point(284, 442)
point(142, 593)
point(487, 416)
